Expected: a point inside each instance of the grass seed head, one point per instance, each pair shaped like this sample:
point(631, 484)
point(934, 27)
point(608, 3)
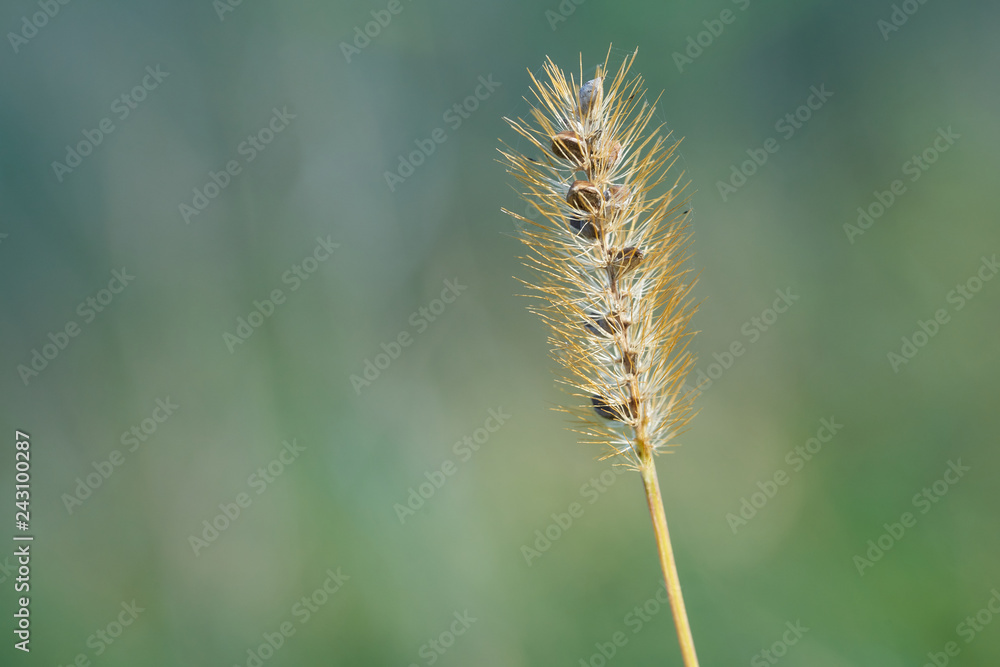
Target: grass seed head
point(608, 256)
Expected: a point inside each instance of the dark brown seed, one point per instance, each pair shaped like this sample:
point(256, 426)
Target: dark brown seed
point(603, 409)
point(584, 196)
point(584, 227)
point(605, 326)
point(613, 411)
point(568, 146)
point(618, 195)
point(624, 260)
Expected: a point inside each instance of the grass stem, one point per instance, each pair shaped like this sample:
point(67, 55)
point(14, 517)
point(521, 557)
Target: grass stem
point(668, 563)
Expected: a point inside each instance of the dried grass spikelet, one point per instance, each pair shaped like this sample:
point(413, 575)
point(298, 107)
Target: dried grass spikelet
point(609, 260)
point(609, 244)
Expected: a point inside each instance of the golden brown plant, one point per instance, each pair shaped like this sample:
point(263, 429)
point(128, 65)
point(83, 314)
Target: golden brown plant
point(609, 258)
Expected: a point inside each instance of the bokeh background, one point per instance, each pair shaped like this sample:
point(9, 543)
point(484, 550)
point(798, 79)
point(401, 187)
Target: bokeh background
point(366, 448)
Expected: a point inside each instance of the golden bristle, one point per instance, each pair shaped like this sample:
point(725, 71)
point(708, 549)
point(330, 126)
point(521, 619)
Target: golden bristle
point(612, 242)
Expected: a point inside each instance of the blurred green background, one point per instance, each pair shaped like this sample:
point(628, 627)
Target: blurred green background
point(363, 450)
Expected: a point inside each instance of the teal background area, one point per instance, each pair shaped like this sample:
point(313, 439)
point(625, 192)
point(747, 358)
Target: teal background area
point(362, 453)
